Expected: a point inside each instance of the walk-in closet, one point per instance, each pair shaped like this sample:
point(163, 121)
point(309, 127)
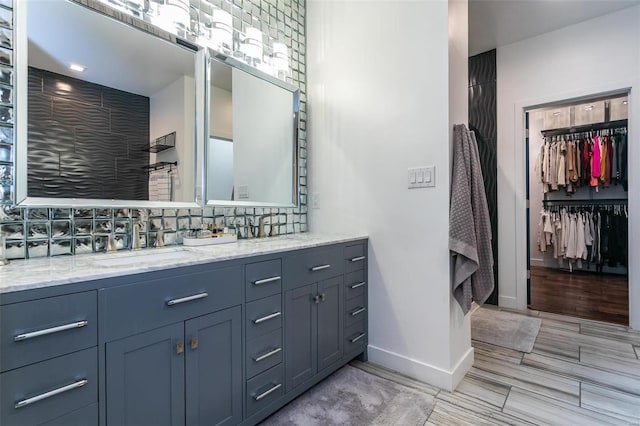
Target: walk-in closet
point(577, 212)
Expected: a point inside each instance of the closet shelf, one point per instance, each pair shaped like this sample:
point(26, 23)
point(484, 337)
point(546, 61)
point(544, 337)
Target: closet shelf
point(162, 143)
point(585, 128)
point(160, 165)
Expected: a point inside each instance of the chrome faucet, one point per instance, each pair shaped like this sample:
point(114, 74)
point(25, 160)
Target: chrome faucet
point(138, 223)
point(159, 238)
point(135, 237)
point(261, 231)
point(111, 242)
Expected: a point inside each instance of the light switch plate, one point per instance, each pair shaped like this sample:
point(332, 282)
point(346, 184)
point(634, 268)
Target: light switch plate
point(422, 177)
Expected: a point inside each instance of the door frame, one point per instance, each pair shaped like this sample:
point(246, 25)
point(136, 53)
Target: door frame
point(520, 194)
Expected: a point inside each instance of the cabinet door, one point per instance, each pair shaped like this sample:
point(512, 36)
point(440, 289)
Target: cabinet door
point(330, 322)
point(145, 378)
point(214, 368)
point(300, 335)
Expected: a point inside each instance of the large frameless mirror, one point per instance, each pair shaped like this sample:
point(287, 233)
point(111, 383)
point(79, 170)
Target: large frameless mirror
point(251, 151)
point(110, 111)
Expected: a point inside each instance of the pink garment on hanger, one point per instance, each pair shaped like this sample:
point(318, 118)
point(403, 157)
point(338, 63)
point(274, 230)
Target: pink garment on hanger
point(595, 160)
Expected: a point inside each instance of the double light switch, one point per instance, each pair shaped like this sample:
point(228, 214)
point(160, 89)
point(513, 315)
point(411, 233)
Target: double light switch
point(422, 177)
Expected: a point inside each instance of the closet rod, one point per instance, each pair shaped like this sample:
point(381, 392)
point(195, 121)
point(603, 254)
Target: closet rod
point(586, 128)
point(600, 201)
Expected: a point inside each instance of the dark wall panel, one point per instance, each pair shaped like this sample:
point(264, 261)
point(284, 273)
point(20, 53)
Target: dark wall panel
point(483, 121)
point(85, 140)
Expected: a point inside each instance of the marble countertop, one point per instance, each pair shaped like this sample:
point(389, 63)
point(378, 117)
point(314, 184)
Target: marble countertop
point(50, 271)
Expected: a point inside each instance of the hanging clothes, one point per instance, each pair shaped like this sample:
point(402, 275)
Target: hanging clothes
point(596, 234)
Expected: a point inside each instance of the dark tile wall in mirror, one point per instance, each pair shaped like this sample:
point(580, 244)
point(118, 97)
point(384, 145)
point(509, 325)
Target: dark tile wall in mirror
point(483, 121)
point(39, 232)
point(86, 140)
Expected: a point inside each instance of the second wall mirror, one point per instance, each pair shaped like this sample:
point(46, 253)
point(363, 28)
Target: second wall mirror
point(251, 151)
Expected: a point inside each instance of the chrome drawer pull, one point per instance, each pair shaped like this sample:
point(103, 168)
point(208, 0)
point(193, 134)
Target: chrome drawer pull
point(51, 330)
point(267, 318)
point(358, 259)
point(267, 280)
point(320, 268)
point(358, 285)
point(267, 355)
point(51, 393)
point(358, 311)
point(187, 299)
point(355, 339)
point(266, 393)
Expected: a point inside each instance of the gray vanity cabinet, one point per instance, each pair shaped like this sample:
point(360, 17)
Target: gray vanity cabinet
point(151, 375)
point(49, 360)
point(187, 372)
point(313, 327)
point(214, 368)
point(218, 343)
point(145, 378)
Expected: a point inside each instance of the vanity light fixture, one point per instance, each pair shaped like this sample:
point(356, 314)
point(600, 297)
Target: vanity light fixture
point(76, 67)
point(588, 108)
point(625, 102)
point(221, 30)
point(280, 57)
point(251, 46)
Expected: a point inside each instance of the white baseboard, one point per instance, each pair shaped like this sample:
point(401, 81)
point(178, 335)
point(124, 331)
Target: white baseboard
point(508, 302)
point(435, 376)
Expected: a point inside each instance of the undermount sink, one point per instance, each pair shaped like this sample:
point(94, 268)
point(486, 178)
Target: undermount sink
point(270, 239)
point(142, 259)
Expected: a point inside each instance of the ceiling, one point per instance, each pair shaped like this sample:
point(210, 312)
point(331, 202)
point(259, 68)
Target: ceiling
point(494, 23)
point(115, 54)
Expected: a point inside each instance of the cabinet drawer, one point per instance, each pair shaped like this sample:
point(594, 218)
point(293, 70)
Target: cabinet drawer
point(41, 329)
point(354, 285)
point(83, 417)
point(145, 305)
point(264, 389)
point(355, 338)
point(49, 389)
point(354, 257)
point(263, 279)
point(264, 352)
point(264, 316)
point(312, 266)
point(355, 310)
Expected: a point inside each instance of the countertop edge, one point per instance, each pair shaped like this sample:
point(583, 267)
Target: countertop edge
point(83, 267)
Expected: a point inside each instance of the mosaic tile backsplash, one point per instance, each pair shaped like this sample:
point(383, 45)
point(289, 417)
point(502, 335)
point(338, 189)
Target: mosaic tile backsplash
point(39, 232)
point(32, 233)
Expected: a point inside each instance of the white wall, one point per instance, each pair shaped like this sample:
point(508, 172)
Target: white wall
point(573, 62)
point(172, 109)
point(378, 74)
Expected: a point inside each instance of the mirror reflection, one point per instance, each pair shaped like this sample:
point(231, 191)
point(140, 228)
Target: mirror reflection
point(111, 109)
point(251, 151)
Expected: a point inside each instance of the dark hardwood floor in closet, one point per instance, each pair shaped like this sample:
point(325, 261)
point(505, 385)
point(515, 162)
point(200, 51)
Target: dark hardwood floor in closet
point(601, 297)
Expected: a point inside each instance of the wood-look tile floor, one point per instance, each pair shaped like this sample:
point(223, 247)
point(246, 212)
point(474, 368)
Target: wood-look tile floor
point(580, 372)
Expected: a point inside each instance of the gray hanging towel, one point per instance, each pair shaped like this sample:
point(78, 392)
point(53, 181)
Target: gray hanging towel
point(469, 224)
